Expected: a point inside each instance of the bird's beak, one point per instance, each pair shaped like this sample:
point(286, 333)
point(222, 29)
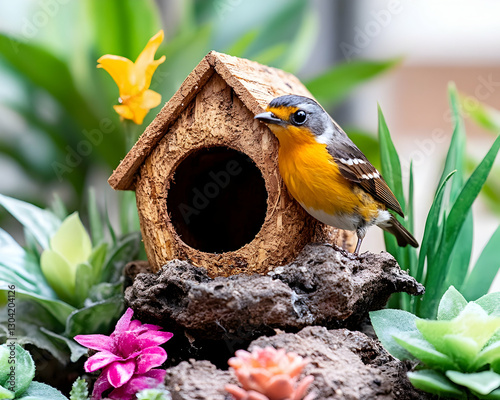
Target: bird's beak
point(268, 118)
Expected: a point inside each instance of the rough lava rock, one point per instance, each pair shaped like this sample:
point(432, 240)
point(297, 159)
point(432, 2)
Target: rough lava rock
point(346, 365)
point(323, 286)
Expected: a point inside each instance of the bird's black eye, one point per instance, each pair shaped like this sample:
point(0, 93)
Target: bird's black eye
point(298, 117)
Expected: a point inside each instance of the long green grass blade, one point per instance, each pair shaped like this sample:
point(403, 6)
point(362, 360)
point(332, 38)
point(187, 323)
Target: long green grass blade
point(455, 159)
point(454, 222)
point(479, 279)
point(432, 228)
point(95, 219)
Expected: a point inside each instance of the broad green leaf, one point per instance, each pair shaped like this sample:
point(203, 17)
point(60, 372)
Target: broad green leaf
point(96, 260)
point(60, 275)
point(481, 382)
point(57, 308)
point(433, 382)
point(335, 84)
point(6, 394)
point(84, 277)
point(41, 391)
point(495, 395)
point(451, 305)
point(480, 278)
point(463, 337)
point(97, 318)
point(22, 269)
point(25, 370)
point(490, 303)
point(41, 223)
point(4, 364)
point(388, 323)
point(76, 350)
point(423, 351)
point(71, 241)
point(125, 250)
point(95, 219)
point(488, 355)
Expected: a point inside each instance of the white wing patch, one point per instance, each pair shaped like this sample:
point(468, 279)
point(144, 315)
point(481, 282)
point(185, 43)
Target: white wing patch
point(352, 161)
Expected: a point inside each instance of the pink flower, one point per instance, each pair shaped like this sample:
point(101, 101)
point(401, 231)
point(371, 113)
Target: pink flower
point(127, 357)
point(269, 374)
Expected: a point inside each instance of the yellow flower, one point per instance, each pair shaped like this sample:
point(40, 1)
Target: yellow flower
point(133, 80)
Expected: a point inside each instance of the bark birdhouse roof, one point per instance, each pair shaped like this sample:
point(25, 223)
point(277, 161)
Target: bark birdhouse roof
point(255, 84)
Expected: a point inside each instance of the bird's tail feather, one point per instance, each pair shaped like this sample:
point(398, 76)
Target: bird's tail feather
point(402, 235)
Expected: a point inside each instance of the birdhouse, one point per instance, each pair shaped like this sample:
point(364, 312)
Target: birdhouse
point(206, 175)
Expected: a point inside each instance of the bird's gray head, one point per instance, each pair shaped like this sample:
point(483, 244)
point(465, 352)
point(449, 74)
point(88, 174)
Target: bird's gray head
point(291, 111)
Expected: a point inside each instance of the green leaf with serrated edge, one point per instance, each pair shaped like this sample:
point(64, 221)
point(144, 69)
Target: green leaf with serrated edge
point(57, 308)
point(6, 394)
point(79, 390)
point(75, 349)
point(490, 303)
point(480, 278)
point(332, 86)
point(423, 351)
point(4, 364)
point(22, 269)
point(452, 303)
point(24, 368)
point(463, 350)
point(96, 318)
point(389, 322)
point(125, 250)
point(454, 222)
point(481, 382)
point(488, 355)
point(433, 382)
point(41, 223)
point(495, 395)
point(95, 219)
point(41, 391)
point(431, 230)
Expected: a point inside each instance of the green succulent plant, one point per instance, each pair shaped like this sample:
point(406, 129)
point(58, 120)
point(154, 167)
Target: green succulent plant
point(17, 371)
point(458, 354)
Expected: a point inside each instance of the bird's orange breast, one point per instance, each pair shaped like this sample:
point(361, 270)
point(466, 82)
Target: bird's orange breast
point(314, 180)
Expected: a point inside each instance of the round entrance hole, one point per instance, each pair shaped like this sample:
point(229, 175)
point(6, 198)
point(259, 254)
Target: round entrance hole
point(217, 200)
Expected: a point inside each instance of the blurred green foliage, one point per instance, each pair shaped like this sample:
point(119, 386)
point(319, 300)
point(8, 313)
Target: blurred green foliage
point(65, 103)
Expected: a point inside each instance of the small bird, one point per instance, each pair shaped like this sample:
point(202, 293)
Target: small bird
point(327, 174)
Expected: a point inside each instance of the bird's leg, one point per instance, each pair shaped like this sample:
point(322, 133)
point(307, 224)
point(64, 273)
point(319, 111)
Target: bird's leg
point(361, 235)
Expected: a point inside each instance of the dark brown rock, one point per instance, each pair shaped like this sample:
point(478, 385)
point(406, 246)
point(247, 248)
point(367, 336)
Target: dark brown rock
point(197, 380)
point(346, 365)
point(322, 286)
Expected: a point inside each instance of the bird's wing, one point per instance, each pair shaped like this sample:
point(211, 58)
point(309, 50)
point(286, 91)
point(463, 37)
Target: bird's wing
point(354, 166)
